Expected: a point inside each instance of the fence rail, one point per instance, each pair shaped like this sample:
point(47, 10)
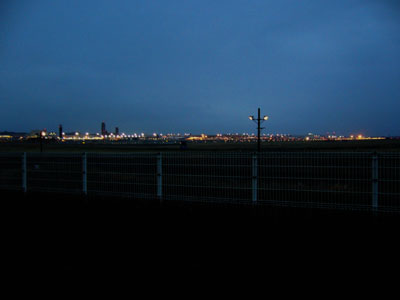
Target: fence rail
point(367, 181)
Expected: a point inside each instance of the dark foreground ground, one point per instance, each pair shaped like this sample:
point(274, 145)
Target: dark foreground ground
point(55, 235)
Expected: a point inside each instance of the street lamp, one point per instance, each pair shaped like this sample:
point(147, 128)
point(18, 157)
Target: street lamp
point(42, 134)
point(258, 121)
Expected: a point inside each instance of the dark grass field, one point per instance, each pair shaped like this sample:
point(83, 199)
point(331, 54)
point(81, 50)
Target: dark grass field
point(390, 145)
point(58, 235)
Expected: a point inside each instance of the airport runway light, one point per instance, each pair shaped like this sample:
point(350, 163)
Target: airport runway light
point(259, 120)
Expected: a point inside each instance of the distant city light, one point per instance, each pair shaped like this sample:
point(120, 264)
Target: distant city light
point(159, 138)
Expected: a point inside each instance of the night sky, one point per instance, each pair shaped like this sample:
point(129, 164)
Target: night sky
point(201, 66)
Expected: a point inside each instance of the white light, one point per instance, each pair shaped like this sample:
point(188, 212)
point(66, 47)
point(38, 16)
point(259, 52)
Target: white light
point(265, 118)
point(251, 118)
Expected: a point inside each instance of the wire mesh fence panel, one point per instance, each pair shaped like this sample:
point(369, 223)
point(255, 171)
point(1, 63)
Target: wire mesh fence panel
point(122, 174)
point(315, 179)
point(389, 181)
point(206, 176)
point(337, 180)
point(54, 172)
point(11, 171)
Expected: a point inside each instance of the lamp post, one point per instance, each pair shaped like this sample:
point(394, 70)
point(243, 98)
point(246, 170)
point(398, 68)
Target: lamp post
point(258, 121)
point(42, 133)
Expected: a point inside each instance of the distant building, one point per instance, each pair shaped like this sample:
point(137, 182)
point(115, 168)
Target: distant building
point(11, 134)
point(34, 133)
point(116, 131)
point(103, 128)
point(60, 131)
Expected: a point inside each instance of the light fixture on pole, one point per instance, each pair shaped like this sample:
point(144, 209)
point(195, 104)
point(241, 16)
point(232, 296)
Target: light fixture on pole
point(258, 121)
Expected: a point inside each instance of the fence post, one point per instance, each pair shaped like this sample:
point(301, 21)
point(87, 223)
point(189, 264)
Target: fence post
point(375, 181)
point(84, 173)
point(254, 178)
point(24, 173)
point(159, 175)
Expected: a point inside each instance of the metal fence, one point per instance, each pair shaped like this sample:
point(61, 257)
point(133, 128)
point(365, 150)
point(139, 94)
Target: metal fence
point(369, 181)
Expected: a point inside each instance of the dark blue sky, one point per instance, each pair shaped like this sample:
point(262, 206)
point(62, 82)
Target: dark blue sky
point(201, 66)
